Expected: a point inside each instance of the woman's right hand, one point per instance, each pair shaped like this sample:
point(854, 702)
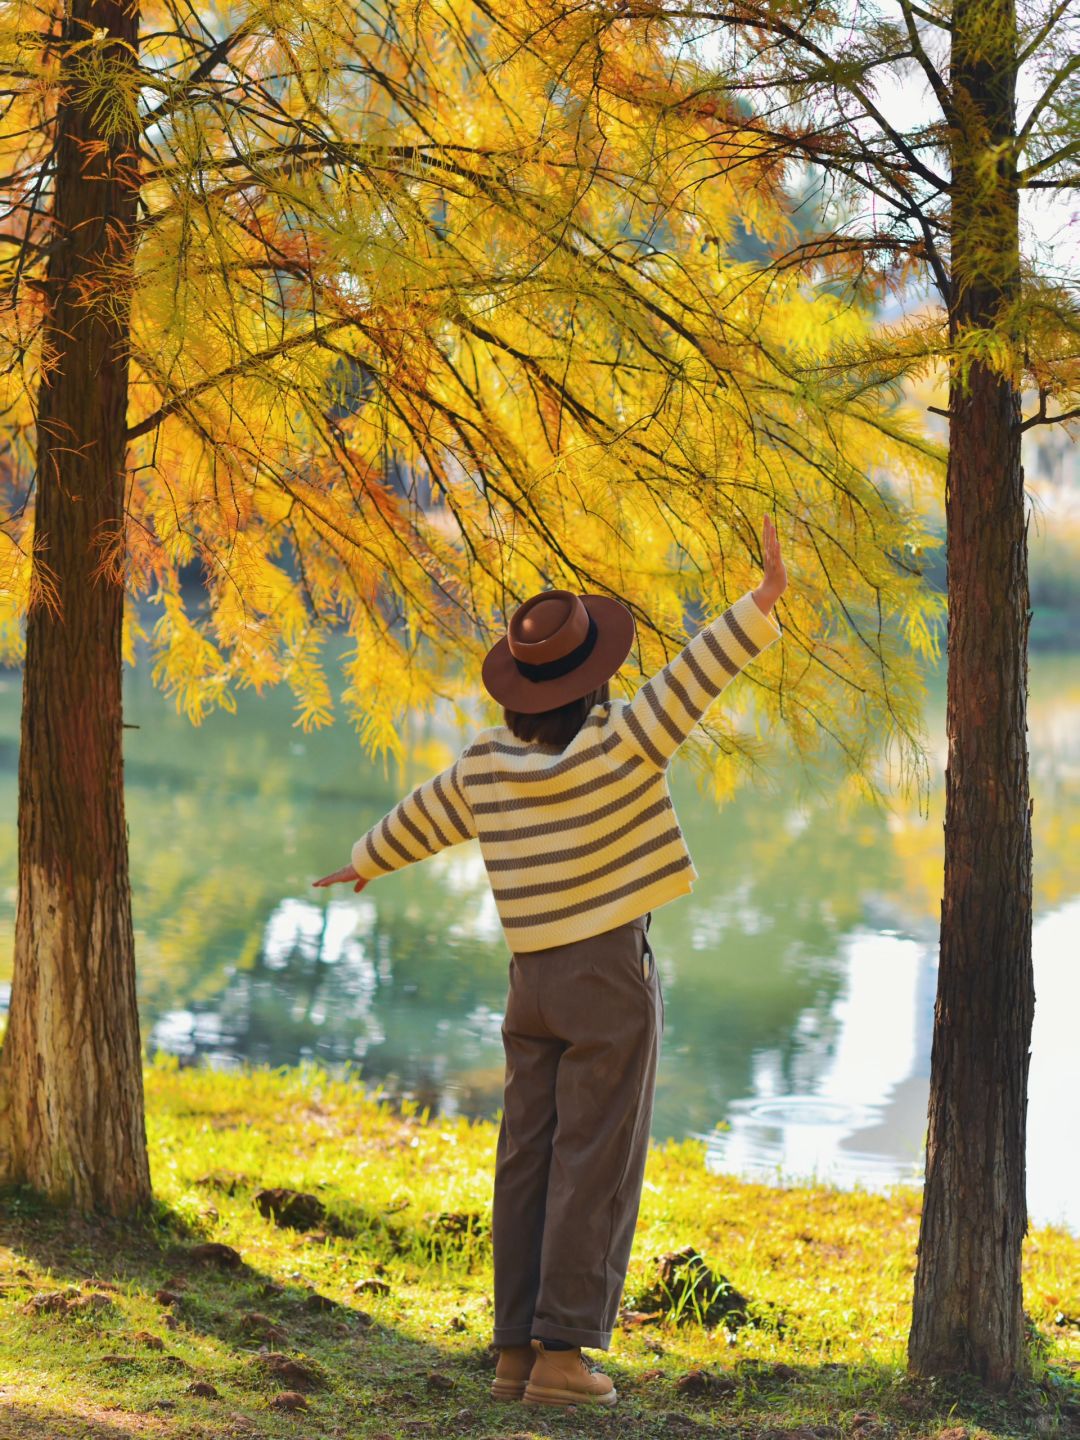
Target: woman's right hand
point(774, 581)
point(342, 876)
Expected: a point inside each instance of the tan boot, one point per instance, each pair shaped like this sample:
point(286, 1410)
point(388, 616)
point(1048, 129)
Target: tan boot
point(561, 1377)
point(512, 1372)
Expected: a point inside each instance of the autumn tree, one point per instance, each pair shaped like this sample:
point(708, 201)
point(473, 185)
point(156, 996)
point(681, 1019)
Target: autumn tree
point(266, 271)
point(927, 192)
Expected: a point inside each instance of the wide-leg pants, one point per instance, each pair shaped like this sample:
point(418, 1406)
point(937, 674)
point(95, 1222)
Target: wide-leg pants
point(582, 1036)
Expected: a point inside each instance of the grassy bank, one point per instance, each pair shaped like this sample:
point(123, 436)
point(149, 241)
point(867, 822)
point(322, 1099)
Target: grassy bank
point(375, 1320)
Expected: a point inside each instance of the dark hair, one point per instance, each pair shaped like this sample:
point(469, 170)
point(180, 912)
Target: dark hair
point(558, 726)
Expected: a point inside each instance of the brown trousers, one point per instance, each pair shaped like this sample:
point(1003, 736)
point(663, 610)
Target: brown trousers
point(582, 1039)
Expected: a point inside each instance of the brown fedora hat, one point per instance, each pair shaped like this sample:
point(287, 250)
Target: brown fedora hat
point(558, 646)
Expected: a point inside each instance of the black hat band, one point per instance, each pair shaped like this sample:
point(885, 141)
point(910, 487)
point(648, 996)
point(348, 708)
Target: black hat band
point(554, 668)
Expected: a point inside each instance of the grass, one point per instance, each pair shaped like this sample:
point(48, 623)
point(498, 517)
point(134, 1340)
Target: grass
point(827, 1276)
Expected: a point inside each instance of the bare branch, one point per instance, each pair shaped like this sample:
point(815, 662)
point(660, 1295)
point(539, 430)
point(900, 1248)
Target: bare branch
point(1067, 152)
point(928, 16)
point(1041, 34)
point(1042, 418)
point(929, 69)
point(204, 68)
point(1073, 63)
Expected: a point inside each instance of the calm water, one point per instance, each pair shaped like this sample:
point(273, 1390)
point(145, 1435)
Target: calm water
point(799, 977)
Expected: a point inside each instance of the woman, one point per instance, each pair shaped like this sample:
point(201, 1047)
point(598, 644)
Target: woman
point(570, 803)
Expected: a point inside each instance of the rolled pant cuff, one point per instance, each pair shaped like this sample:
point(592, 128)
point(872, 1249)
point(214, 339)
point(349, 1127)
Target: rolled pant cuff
point(590, 1339)
point(512, 1335)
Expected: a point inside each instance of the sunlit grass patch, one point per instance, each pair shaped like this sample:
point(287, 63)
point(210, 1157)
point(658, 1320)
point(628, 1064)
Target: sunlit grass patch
point(373, 1311)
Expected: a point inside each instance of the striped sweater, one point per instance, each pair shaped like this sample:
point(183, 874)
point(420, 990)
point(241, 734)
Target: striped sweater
point(576, 841)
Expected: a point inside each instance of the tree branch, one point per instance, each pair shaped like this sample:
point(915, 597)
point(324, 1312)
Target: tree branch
point(1042, 418)
point(1040, 35)
point(1044, 99)
point(1067, 152)
point(930, 70)
point(768, 21)
point(182, 399)
point(926, 15)
point(204, 68)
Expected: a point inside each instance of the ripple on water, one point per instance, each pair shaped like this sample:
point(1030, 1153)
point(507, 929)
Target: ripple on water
point(794, 1138)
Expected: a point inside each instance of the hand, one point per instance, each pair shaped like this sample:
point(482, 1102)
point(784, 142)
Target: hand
point(774, 582)
point(348, 873)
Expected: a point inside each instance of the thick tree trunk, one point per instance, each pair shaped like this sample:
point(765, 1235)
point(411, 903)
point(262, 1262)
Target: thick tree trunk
point(71, 1100)
point(968, 1304)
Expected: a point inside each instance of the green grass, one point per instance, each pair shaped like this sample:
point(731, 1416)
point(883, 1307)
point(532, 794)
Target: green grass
point(828, 1275)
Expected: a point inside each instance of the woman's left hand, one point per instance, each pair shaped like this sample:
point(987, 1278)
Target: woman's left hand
point(340, 876)
point(774, 581)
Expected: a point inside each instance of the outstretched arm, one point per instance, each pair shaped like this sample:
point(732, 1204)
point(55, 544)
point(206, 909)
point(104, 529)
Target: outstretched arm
point(435, 815)
point(667, 707)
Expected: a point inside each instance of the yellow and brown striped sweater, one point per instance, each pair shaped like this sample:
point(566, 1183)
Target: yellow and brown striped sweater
point(576, 841)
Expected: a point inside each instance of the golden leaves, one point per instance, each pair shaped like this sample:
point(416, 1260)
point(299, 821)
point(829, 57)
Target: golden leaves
point(433, 315)
point(104, 79)
point(187, 667)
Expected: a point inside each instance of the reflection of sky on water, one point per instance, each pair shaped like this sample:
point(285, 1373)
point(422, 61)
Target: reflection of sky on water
point(461, 869)
point(1053, 1166)
point(326, 933)
point(860, 1115)
point(336, 936)
point(327, 969)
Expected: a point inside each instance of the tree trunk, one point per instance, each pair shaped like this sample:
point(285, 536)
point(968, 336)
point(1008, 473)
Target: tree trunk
point(968, 1303)
point(71, 1098)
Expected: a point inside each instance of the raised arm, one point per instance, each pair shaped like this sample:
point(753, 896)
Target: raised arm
point(667, 707)
point(435, 815)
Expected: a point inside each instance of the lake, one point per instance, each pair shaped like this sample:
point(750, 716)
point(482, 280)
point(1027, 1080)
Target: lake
point(799, 977)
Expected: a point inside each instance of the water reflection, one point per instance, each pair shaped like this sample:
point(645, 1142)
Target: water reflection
point(310, 993)
point(861, 1117)
point(849, 1117)
point(859, 1113)
point(1053, 1164)
point(323, 986)
point(799, 977)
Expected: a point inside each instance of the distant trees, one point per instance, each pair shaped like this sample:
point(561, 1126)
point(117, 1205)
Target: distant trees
point(254, 261)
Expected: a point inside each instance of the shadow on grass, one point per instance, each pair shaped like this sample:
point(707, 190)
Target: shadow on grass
point(178, 1322)
point(872, 1401)
point(166, 1320)
point(19, 1423)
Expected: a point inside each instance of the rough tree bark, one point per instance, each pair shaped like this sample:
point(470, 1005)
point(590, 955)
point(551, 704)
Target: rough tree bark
point(71, 1099)
point(968, 1314)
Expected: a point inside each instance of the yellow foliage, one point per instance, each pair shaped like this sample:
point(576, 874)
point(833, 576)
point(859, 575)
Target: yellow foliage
point(187, 665)
point(397, 365)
